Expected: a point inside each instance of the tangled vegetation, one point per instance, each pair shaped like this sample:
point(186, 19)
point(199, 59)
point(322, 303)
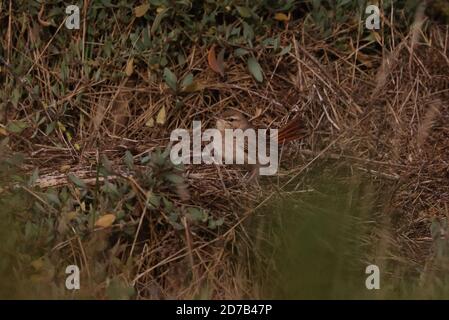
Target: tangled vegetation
point(85, 176)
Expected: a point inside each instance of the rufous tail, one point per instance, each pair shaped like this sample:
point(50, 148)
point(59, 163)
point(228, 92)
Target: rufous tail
point(292, 131)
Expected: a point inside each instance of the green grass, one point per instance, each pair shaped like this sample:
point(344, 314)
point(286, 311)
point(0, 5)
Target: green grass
point(319, 243)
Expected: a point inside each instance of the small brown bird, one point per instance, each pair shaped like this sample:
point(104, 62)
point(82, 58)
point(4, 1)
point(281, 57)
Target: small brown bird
point(232, 119)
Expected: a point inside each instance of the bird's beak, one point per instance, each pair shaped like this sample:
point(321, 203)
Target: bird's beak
point(221, 124)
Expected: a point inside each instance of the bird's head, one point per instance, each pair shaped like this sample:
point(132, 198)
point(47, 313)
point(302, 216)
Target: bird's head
point(232, 120)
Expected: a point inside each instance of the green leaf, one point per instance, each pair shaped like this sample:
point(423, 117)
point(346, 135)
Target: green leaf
point(181, 59)
point(153, 201)
point(235, 31)
point(197, 214)
point(268, 42)
point(187, 81)
point(50, 127)
point(157, 3)
point(16, 159)
point(219, 222)
point(168, 205)
point(129, 160)
point(170, 78)
point(77, 181)
point(212, 224)
point(343, 2)
point(215, 223)
point(173, 217)
point(157, 20)
point(4, 143)
point(285, 50)
point(64, 71)
point(33, 177)
point(16, 126)
point(110, 188)
point(244, 12)
point(146, 39)
point(174, 178)
point(177, 226)
point(118, 290)
point(16, 95)
point(276, 43)
point(53, 198)
point(288, 5)
point(106, 163)
point(255, 69)
point(248, 32)
point(240, 52)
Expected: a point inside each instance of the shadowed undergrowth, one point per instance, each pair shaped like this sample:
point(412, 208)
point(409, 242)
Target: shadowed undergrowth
point(85, 117)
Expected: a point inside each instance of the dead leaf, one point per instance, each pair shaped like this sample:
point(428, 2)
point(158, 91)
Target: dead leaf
point(160, 119)
point(3, 132)
point(220, 59)
point(193, 87)
point(105, 221)
point(130, 67)
point(71, 215)
point(120, 113)
point(183, 191)
point(140, 11)
point(39, 18)
point(115, 116)
point(365, 59)
point(258, 112)
point(215, 64)
point(377, 37)
point(38, 264)
point(65, 168)
point(282, 17)
point(150, 123)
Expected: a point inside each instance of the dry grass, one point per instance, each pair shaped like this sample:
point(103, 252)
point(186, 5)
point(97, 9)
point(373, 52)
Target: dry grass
point(383, 112)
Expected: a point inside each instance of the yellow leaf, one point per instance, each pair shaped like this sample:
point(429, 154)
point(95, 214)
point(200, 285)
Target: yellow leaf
point(365, 59)
point(37, 264)
point(65, 168)
point(129, 67)
point(3, 132)
point(140, 11)
point(150, 123)
point(160, 119)
point(193, 87)
point(69, 136)
point(282, 17)
point(71, 215)
point(377, 37)
point(61, 126)
point(36, 278)
point(105, 221)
